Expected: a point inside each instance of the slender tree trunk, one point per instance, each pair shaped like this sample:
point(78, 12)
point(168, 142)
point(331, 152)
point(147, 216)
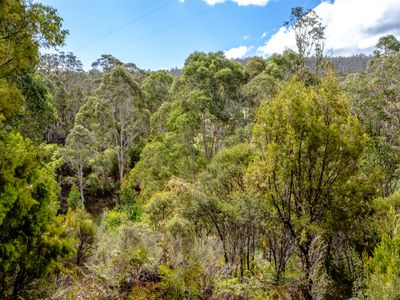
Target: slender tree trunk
point(206, 150)
point(121, 154)
point(81, 184)
point(121, 166)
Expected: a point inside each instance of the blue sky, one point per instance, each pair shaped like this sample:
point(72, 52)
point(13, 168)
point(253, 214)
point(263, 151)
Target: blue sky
point(160, 34)
point(164, 38)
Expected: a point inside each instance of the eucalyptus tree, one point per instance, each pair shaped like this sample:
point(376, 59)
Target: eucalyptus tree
point(204, 111)
point(221, 108)
point(121, 115)
point(387, 45)
point(156, 88)
point(308, 30)
point(68, 84)
point(309, 35)
point(79, 148)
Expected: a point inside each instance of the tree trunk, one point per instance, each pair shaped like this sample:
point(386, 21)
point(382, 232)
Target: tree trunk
point(121, 154)
point(305, 250)
point(18, 283)
point(121, 167)
point(81, 184)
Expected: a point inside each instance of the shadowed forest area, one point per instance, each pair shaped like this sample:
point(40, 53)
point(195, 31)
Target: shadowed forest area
point(263, 178)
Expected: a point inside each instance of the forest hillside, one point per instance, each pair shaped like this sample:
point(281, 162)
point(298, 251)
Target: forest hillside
point(266, 178)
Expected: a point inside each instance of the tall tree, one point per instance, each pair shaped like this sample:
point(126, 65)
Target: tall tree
point(68, 84)
point(218, 81)
point(309, 35)
point(121, 114)
point(204, 113)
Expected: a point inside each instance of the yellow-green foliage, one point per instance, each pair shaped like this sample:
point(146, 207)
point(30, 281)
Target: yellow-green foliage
point(81, 229)
point(74, 198)
point(382, 269)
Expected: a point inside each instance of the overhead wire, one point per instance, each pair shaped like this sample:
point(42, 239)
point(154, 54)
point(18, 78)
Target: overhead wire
point(161, 30)
point(127, 24)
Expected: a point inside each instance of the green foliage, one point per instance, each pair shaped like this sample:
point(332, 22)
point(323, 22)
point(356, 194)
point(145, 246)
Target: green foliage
point(387, 45)
point(310, 145)
point(255, 66)
point(39, 111)
point(374, 97)
point(217, 78)
point(31, 235)
point(103, 167)
point(24, 27)
point(156, 87)
point(114, 218)
point(67, 83)
point(172, 283)
point(248, 181)
point(189, 130)
point(382, 276)
point(284, 66)
point(77, 152)
point(121, 117)
point(259, 88)
point(227, 203)
point(81, 229)
point(74, 200)
point(11, 100)
point(173, 151)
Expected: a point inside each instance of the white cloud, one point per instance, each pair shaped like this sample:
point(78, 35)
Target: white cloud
point(240, 2)
point(263, 35)
point(213, 2)
point(251, 2)
point(238, 52)
point(352, 26)
point(246, 36)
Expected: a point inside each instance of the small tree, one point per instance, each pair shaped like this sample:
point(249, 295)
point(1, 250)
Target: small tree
point(310, 145)
point(78, 151)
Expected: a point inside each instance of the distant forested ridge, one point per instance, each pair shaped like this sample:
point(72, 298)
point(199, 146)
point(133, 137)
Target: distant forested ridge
point(264, 178)
point(343, 65)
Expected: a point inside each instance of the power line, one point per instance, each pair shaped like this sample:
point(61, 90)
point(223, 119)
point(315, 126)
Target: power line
point(126, 25)
point(160, 30)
